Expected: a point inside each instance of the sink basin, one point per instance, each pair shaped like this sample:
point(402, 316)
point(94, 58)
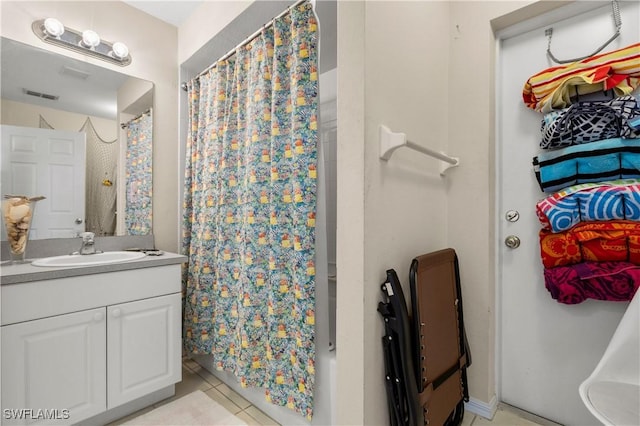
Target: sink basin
point(89, 259)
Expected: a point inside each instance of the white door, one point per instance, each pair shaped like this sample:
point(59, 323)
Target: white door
point(56, 364)
point(50, 163)
point(144, 347)
point(546, 349)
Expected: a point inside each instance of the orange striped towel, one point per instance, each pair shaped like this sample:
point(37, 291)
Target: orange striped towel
point(618, 70)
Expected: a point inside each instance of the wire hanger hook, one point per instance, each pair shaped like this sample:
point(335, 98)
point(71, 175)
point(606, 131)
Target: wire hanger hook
point(617, 20)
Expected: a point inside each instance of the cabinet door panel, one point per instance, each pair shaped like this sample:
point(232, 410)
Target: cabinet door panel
point(143, 344)
point(55, 364)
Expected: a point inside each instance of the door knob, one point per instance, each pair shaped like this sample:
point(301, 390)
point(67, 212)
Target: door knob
point(512, 241)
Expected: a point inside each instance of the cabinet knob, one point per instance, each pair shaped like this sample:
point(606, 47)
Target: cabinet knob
point(98, 316)
point(116, 312)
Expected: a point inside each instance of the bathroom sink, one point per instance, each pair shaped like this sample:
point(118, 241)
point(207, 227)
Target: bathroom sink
point(88, 259)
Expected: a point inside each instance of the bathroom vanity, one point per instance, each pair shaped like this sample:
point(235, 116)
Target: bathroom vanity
point(89, 344)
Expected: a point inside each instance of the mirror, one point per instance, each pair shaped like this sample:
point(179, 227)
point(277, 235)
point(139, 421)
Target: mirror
point(50, 98)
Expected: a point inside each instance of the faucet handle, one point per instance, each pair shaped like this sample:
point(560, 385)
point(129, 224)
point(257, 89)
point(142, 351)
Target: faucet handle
point(86, 236)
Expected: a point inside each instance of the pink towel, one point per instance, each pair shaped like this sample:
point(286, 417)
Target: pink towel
point(616, 281)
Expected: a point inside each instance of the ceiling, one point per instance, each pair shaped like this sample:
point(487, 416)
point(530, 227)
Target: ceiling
point(173, 12)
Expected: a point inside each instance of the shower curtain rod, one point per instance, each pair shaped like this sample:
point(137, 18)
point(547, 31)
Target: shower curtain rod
point(123, 125)
point(248, 39)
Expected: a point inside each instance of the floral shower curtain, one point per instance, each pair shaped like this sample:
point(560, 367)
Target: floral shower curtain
point(249, 211)
point(138, 175)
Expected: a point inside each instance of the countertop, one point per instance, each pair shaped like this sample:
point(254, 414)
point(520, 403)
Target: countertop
point(25, 272)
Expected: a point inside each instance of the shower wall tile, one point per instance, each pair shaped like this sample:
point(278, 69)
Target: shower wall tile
point(328, 135)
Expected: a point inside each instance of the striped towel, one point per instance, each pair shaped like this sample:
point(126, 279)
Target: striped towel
point(612, 200)
point(593, 162)
point(618, 70)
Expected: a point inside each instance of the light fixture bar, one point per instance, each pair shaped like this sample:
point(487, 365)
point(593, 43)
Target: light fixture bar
point(72, 39)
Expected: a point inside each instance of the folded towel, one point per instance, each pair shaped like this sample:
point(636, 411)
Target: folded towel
point(551, 88)
point(594, 162)
point(610, 200)
point(591, 241)
point(616, 281)
point(586, 122)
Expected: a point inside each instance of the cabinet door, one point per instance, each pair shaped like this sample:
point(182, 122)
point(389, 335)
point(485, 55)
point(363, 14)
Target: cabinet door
point(52, 365)
point(143, 347)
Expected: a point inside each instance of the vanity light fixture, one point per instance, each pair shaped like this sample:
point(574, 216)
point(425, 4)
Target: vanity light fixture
point(120, 50)
point(87, 42)
point(53, 27)
point(90, 39)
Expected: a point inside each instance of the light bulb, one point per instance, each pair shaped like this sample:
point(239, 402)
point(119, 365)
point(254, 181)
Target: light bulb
point(120, 50)
point(90, 39)
point(53, 27)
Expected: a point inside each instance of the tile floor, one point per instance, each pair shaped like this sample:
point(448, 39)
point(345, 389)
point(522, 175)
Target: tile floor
point(507, 416)
point(195, 378)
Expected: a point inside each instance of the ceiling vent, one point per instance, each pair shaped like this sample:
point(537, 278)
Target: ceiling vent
point(40, 95)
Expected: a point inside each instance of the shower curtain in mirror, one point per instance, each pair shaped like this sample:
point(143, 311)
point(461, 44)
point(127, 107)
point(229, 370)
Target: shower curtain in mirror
point(138, 175)
point(249, 211)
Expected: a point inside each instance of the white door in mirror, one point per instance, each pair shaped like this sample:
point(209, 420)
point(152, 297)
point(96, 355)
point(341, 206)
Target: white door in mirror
point(89, 259)
point(50, 163)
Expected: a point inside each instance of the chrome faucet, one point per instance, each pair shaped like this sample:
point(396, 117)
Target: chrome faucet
point(88, 244)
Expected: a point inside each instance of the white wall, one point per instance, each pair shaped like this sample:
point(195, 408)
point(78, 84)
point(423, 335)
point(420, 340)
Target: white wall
point(388, 213)
point(28, 115)
point(470, 197)
point(153, 47)
point(350, 215)
point(205, 22)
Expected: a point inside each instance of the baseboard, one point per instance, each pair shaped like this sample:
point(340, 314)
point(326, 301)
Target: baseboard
point(130, 407)
point(481, 408)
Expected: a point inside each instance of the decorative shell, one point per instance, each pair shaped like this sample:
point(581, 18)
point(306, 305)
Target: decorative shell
point(17, 211)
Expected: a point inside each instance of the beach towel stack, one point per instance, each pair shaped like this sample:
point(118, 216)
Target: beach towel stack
point(590, 169)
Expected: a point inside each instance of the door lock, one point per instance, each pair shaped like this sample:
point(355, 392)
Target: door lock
point(512, 215)
point(512, 241)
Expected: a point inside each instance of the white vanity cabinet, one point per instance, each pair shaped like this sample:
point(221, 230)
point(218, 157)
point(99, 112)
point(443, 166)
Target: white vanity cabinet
point(88, 344)
point(55, 363)
point(143, 347)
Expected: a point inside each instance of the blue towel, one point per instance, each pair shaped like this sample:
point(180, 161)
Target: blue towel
point(593, 162)
point(610, 200)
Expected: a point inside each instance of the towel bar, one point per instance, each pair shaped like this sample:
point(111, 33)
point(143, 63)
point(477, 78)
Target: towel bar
point(390, 141)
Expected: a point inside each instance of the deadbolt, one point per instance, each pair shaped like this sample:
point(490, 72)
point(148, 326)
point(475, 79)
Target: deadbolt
point(512, 242)
point(512, 215)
